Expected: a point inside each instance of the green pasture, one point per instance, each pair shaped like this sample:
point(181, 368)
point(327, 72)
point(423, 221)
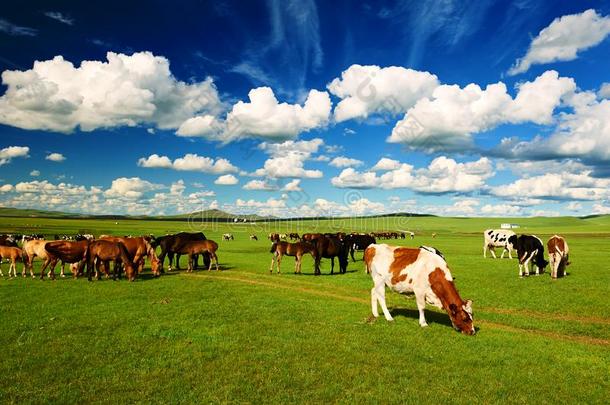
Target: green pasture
point(242, 335)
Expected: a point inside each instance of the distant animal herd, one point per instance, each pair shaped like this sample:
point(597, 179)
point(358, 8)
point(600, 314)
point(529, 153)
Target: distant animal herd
point(421, 271)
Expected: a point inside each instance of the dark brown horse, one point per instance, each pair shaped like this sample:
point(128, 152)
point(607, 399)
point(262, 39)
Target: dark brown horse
point(172, 244)
point(309, 237)
point(67, 252)
point(356, 241)
point(198, 247)
point(102, 252)
point(330, 247)
point(298, 250)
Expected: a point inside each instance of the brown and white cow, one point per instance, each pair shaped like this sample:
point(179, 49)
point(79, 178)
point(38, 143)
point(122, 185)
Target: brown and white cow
point(558, 255)
point(419, 271)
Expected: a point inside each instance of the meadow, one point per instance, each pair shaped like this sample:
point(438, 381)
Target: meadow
point(243, 335)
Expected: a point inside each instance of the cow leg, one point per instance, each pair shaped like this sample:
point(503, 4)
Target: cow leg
point(1, 273)
point(62, 274)
point(351, 251)
point(213, 255)
point(379, 291)
point(492, 250)
point(420, 299)
point(177, 261)
point(503, 252)
point(296, 263)
point(509, 255)
point(332, 265)
point(272, 262)
point(189, 269)
point(552, 264)
point(484, 250)
point(279, 263)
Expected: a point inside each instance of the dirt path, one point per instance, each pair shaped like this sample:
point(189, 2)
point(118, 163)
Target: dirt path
point(488, 324)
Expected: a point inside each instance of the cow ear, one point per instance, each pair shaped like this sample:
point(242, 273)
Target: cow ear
point(468, 305)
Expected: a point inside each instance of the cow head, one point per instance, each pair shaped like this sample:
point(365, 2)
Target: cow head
point(461, 317)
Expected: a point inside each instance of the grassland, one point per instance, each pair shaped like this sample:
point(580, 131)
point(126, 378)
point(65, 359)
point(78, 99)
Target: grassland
point(242, 335)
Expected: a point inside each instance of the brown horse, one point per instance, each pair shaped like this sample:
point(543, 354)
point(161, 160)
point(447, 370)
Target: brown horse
point(330, 247)
point(298, 250)
point(138, 248)
point(68, 252)
point(197, 247)
point(13, 254)
point(104, 251)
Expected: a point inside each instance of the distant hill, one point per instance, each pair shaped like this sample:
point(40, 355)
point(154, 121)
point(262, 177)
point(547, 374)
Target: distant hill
point(215, 214)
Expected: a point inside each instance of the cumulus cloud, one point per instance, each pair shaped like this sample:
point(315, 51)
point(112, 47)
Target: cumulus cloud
point(130, 188)
point(11, 152)
point(563, 39)
point(604, 91)
point(55, 157)
point(226, 180)
point(293, 185)
point(125, 90)
point(366, 90)
point(342, 161)
point(584, 133)
point(189, 162)
point(35, 173)
point(261, 185)
point(443, 175)
point(385, 164)
point(265, 117)
point(206, 126)
point(448, 119)
point(556, 186)
point(288, 159)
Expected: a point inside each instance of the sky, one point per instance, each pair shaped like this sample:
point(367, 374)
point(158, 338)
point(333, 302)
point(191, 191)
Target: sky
point(305, 108)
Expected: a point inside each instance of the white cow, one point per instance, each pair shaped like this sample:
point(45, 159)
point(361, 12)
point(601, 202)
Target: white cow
point(418, 271)
point(495, 238)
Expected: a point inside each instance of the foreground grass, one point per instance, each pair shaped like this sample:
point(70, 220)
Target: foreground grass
point(243, 335)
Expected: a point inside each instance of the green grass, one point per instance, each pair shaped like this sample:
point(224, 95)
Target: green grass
point(243, 335)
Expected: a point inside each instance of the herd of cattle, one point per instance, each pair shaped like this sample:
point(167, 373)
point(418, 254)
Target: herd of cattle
point(421, 271)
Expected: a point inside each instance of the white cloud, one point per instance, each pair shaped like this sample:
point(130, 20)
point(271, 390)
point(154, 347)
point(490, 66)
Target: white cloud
point(585, 134)
point(503, 210)
point(189, 162)
point(443, 175)
point(15, 30)
point(366, 90)
point(55, 157)
point(288, 159)
point(448, 119)
point(574, 206)
point(35, 173)
point(601, 209)
point(270, 203)
point(11, 152)
point(342, 161)
point(5, 188)
point(62, 18)
point(604, 91)
point(557, 186)
point(226, 180)
point(206, 126)
point(293, 185)
point(126, 90)
point(260, 185)
point(563, 39)
point(130, 188)
point(385, 164)
point(265, 117)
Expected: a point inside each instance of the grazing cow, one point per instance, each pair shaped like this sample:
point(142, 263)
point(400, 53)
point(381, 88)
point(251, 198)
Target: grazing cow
point(227, 236)
point(171, 244)
point(358, 242)
point(529, 247)
point(418, 271)
point(13, 254)
point(253, 237)
point(298, 250)
point(329, 248)
point(294, 236)
point(68, 252)
point(558, 256)
point(197, 247)
point(102, 252)
point(494, 238)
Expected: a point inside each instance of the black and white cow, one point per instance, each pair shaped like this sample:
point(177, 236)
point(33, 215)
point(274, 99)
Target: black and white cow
point(529, 248)
point(494, 238)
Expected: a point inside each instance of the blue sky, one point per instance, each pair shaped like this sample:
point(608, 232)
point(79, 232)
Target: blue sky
point(302, 108)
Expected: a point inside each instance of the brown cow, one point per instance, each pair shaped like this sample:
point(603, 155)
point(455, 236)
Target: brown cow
point(558, 256)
